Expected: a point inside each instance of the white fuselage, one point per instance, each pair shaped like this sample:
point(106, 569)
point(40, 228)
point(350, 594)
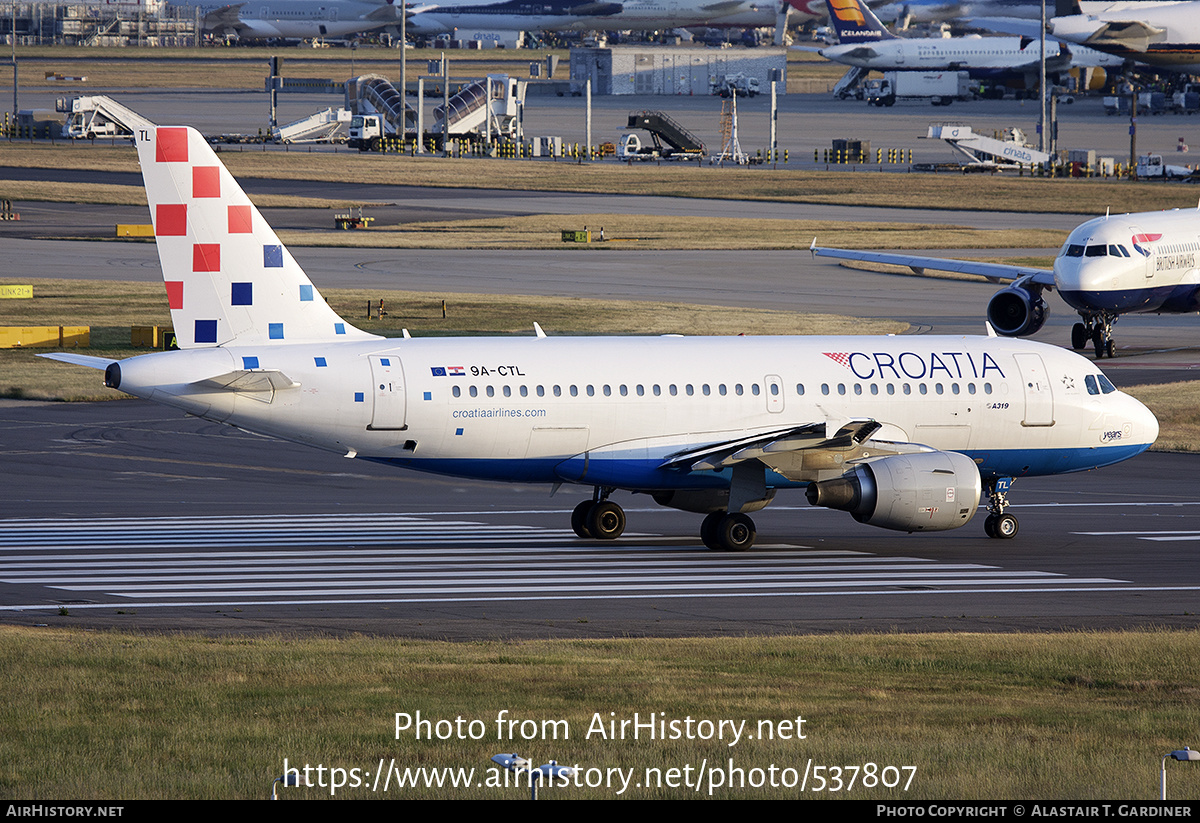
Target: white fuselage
point(296, 19)
point(940, 53)
point(612, 411)
point(505, 15)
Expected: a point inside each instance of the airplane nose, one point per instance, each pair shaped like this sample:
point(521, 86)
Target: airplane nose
point(1147, 424)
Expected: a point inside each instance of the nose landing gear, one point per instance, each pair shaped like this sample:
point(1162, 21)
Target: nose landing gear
point(1098, 329)
point(999, 524)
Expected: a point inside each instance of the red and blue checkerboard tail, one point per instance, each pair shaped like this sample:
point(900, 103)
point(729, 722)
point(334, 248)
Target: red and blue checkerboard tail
point(229, 280)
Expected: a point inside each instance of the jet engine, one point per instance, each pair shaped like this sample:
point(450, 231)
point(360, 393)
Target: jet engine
point(1017, 311)
point(931, 491)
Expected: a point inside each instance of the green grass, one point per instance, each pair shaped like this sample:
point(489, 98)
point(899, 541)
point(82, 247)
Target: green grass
point(98, 716)
point(956, 192)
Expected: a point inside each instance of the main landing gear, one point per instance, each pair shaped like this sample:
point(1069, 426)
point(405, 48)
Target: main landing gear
point(999, 524)
point(598, 518)
point(728, 531)
point(1098, 329)
point(602, 519)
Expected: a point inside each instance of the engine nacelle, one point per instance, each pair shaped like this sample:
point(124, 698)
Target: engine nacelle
point(1017, 311)
point(704, 501)
point(931, 491)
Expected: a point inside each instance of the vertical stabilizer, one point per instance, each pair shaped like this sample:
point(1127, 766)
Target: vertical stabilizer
point(228, 277)
point(854, 22)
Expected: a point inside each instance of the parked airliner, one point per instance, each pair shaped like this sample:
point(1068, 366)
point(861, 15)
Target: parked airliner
point(295, 19)
point(1161, 36)
point(865, 43)
point(588, 15)
point(1112, 265)
point(904, 433)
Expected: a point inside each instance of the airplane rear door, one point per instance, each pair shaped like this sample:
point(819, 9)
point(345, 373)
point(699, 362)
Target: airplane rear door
point(1039, 396)
point(390, 403)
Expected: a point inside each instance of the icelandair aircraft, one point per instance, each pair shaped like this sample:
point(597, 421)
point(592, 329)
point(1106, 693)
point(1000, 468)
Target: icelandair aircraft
point(1109, 266)
point(864, 42)
point(903, 433)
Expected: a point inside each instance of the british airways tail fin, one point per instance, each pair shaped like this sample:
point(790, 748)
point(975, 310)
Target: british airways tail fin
point(854, 22)
point(228, 278)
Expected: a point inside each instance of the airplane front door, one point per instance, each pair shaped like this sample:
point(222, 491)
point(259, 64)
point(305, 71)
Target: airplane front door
point(387, 375)
point(1039, 395)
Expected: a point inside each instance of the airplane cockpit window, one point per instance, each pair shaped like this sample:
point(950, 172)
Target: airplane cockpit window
point(1073, 250)
point(1099, 250)
point(1106, 385)
point(1090, 382)
point(1115, 251)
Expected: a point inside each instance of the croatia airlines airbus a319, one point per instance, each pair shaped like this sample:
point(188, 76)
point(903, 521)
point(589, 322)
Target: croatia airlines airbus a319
point(1147, 263)
point(905, 433)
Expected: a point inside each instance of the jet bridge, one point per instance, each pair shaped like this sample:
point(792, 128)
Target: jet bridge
point(989, 152)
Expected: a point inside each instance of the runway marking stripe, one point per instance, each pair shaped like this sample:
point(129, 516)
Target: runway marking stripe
point(134, 592)
point(1073, 589)
point(474, 570)
point(561, 576)
point(376, 557)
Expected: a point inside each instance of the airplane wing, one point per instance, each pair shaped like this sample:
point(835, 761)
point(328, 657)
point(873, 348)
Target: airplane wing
point(224, 19)
point(1131, 34)
point(994, 272)
point(810, 436)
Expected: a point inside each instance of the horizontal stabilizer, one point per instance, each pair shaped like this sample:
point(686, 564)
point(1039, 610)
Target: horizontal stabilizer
point(101, 363)
point(250, 380)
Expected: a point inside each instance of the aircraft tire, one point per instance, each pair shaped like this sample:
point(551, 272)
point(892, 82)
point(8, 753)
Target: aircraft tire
point(1079, 337)
point(989, 525)
point(1006, 527)
point(708, 531)
point(606, 520)
point(735, 532)
point(1110, 349)
point(579, 519)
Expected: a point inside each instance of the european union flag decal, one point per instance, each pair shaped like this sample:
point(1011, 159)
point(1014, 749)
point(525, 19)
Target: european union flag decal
point(438, 371)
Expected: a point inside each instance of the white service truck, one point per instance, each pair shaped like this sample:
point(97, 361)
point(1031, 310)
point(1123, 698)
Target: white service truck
point(939, 87)
point(1151, 166)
